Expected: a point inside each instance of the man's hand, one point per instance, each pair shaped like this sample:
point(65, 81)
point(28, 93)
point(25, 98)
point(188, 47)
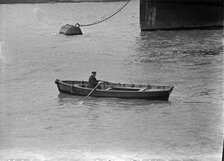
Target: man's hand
point(100, 82)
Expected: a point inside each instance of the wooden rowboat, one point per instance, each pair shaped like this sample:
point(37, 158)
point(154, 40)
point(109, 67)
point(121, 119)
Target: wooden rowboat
point(116, 90)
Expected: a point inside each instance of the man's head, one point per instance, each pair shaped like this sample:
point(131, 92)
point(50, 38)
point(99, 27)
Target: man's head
point(94, 73)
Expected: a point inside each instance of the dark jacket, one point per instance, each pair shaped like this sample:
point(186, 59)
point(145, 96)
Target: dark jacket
point(92, 82)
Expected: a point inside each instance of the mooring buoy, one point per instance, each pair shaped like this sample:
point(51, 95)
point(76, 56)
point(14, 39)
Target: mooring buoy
point(71, 29)
point(75, 30)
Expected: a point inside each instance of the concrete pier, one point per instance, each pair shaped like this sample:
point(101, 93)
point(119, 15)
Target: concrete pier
point(181, 14)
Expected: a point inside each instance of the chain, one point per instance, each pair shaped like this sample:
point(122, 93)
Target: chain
point(107, 18)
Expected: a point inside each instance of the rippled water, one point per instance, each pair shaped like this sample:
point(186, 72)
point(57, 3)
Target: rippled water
point(39, 123)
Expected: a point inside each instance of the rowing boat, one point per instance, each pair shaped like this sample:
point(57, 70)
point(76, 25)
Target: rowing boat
point(115, 90)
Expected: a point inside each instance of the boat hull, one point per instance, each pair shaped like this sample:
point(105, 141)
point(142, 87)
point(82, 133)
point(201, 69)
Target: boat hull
point(72, 88)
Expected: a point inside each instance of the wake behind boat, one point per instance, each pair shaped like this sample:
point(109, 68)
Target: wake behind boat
point(115, 90)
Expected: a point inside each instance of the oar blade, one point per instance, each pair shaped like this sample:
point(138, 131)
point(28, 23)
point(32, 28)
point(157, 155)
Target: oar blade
point(81, 102)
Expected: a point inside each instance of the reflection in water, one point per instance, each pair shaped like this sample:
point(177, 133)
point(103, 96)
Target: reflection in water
point(185, 53)
point(63, 97)
point(193, 43)
point(114, 102)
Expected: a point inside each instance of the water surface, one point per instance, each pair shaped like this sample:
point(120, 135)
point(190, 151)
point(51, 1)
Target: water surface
point(39, 123)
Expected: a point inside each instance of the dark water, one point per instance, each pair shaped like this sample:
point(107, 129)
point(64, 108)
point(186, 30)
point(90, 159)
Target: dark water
point(39, 123)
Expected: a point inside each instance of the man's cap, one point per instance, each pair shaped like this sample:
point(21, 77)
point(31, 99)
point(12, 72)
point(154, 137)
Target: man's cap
point(94, 72)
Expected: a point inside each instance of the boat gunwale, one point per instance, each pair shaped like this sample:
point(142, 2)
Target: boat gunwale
point(75, 85)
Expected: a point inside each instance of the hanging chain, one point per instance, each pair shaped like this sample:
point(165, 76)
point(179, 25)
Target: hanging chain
point(107, 18)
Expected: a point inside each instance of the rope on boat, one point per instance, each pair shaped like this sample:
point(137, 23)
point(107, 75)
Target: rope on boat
point(107, 18)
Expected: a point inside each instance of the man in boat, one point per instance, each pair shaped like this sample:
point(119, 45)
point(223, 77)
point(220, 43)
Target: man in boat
point(93, 81)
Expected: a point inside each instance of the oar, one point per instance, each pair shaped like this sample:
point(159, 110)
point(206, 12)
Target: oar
point(90, 92)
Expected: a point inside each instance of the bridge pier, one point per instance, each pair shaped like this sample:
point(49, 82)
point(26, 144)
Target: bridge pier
point(181, 14)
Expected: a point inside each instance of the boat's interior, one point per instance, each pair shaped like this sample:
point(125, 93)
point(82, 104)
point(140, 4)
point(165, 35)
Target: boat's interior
point(119, 86)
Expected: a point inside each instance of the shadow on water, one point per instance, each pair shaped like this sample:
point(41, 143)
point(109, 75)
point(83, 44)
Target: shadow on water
point(193, 43)
point(163, 53)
